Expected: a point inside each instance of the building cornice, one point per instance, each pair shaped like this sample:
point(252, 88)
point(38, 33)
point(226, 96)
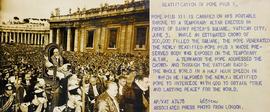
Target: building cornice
point(104, 12)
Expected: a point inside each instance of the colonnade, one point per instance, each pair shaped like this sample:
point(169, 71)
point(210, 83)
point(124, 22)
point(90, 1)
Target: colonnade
point(71, 39)
point(32, 38)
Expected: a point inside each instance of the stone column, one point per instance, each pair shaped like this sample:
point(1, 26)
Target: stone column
point(29, 38)
point(25, 38)
point(6, 37)
point(21, 38)
point(35, 39)
point(51, 36)
point(98, 39)
point(68, 39)
point(41, 39)
point(122, 38)
point(102, 39)
point(45, 39)
point(58, 36)
point(32, 38)
point(82, 40)
point(129, 33)
point(76, 40)
point(38, 39)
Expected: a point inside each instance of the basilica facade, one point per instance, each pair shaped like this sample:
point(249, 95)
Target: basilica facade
point(122, 28)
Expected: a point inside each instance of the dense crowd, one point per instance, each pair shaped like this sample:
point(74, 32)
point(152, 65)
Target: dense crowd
point(13, 53)
point(92, 82)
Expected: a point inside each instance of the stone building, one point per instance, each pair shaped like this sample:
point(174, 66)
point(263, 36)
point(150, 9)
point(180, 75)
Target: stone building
point(35, 32)
point(122, 28)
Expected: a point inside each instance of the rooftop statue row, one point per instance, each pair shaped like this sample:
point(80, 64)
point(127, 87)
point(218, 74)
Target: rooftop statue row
point(17, 21)
point(106, 8)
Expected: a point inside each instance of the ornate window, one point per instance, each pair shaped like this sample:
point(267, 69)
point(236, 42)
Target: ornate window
point(90, 39)
point(113, 33)
point(140, 37)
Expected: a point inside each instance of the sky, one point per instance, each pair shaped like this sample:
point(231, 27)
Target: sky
point(43, 8)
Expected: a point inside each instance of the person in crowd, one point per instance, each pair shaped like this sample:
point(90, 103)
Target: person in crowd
point(57, 66)
point(1, 81)
point(95, 89)
point(122, 89)
point(7, 100)
point(28, 84)
point(141, 93)
point(60, 96)
point(57, 59)
point(39, 103)
point(107, 101)
point(74, 103)
point(20, 91)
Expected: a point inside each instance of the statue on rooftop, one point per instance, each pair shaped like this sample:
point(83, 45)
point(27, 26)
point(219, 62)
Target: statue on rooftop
point(57, 12)
point(70, 11)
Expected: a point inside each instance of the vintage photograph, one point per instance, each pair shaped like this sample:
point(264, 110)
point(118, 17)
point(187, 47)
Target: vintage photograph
point(74, 55)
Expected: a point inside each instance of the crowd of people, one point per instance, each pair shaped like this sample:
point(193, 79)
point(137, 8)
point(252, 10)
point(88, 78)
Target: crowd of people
point(90, 82)
point(12, 54)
